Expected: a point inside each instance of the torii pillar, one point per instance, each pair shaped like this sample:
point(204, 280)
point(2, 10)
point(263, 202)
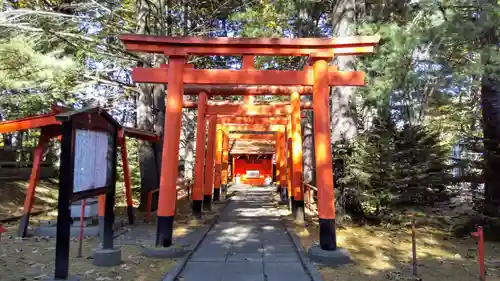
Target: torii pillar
point(209, 167)
point(197, 193)
point(297, 190)
point(282, 166)
point(323, 153)
point(218, 161)
point(289, 164)
point(278, 162)
point(225, 161)
point(170, 152)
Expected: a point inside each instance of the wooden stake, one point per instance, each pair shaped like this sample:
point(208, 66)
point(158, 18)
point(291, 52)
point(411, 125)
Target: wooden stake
point(82, 227)
point(414, 247)
point(480, 250)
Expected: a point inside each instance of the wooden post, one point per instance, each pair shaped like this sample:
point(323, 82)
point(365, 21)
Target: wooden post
point(323, 152)
point(248, 63)
point(170, 153)
point(479, 234)
point(126, 179)
point(289, 164)
point(109, 210)
point(297, 191)
point(232, 170)
point(283, 168)
point(82, 228)
point(200, 156)
point(225, 161)
point(414, 247)
point(66, 175)
point(218, 162)
point(30, 194)
point(209, 168)
point(101, 206)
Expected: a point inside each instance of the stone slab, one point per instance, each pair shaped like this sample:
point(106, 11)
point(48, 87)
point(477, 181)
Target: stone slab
point(174, 251)
point(285, 271)
point(249, 242)
point(276, 241)
point(106, 257)
point(269, 248)
point(209, 256)
point(281, 257)
point(244, 257)
point(332, 258)
point(243, 271)
point(248, 248)
point(206, 271)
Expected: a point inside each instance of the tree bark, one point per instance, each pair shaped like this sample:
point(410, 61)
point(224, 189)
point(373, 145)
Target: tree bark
point(343, 99)
point(490, 102)
point(306, 27)
point(308, 149)
point(189, 134)
point(344, 115)
point(145, 121)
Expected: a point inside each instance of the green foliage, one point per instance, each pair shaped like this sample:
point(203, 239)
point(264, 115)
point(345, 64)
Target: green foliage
point(420, 162)
point(30, 81)
point(265, 19)
point(388, 166)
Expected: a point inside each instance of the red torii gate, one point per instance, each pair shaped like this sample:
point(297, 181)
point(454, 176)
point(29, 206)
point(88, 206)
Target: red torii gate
point(319, 76)
point(50, 128)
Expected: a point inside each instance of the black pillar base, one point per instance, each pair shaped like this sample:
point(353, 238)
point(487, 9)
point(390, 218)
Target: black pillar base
point(197, 208)
point(164, 231)
point(216, 194)
point(327, 234)
point(131, 216)
point(278, 189)
point(284, 196)
point(299, 211)
point(223, 189)
point(23, 225)
point(291, 205)
point(207, 202)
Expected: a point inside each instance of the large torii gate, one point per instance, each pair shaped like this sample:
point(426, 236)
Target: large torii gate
point(318, 76)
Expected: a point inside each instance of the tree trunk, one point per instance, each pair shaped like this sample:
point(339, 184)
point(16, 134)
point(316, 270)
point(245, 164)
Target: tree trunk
point(308, 149)
point(147, 160)
point(490, 102)
point(159, 118)
point(344, 115)
point(305, 25)
point(189, 133)
point(343, 99)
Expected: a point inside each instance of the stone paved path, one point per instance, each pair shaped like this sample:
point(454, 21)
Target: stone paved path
point(248, 243)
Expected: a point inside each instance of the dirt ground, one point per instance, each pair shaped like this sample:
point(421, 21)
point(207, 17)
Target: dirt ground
point(12, 196)
point(34, 258)
point(384, 253)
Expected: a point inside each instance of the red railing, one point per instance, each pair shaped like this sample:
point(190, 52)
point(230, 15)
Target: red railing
point(310, 197)
point(182, 185)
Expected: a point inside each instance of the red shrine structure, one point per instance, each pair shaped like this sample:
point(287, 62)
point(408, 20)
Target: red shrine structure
point(281, 120)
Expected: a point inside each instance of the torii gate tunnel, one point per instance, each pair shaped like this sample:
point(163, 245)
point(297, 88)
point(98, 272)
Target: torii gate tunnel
point(314, 79)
